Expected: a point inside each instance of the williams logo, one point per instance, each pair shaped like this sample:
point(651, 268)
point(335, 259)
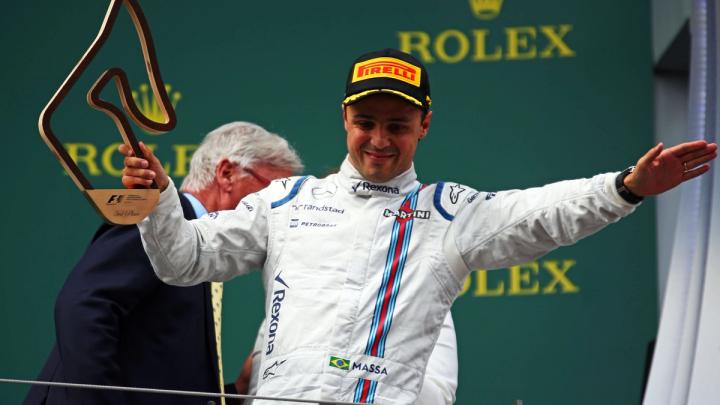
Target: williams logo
point(365, 186)
point(486, 9)
point(149, 106)
point(339, 362)
point(275, 307)
point(404, 214)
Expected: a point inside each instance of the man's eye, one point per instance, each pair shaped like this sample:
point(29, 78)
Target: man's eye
point(397, 128)
point(364, 124)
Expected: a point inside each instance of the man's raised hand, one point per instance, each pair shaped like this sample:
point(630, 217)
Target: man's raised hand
point(661, 169)
point(139, 172)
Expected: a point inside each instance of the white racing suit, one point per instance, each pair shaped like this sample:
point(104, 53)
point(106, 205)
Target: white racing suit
point(359, 276)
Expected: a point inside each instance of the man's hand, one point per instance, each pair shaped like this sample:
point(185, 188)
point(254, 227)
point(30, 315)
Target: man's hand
point(660, 170)
point(242, 383)
point(141, 172)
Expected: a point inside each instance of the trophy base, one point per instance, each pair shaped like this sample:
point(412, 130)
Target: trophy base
point(123, 206)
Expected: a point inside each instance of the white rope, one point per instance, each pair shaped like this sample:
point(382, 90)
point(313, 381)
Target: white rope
point(171, 392)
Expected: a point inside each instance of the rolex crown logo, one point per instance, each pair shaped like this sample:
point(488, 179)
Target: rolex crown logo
point(486, 9)
point(148, 105)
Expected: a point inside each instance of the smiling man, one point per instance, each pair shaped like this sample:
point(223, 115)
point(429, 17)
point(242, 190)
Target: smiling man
point(361, 267)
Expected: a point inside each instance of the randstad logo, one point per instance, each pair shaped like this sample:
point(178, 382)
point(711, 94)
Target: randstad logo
point(147, 104)
point(486, 9)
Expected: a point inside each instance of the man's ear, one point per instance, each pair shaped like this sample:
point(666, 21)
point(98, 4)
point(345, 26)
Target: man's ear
point(425, 125)
point(344, 115)
point(224, 172)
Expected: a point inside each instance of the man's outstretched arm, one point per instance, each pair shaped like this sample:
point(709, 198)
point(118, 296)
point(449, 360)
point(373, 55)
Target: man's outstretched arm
point(520, 225)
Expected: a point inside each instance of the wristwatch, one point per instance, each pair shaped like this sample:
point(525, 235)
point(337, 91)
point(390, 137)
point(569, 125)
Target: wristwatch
point(624, 192)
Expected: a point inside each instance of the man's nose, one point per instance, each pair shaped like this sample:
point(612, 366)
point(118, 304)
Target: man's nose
point(379, 138)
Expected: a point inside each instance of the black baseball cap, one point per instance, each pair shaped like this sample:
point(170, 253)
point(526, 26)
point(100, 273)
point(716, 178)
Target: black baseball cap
point(388, 71)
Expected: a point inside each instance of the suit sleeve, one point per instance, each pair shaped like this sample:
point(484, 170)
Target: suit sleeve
point(217, 247)
point(516, 226)
point(110, 279)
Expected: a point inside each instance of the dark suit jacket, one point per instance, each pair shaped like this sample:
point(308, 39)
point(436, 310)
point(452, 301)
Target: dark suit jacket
point(117, 324)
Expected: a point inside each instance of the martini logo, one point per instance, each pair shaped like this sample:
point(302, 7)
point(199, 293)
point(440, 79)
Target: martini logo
point(486, 9)
point(149, 106)
point(404, 214)
point(387, 67)
point(339, 362)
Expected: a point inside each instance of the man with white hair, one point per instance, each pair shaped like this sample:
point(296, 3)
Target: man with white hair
point(118, 324)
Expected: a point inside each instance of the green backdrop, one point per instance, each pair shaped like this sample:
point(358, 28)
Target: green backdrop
point(538, 92)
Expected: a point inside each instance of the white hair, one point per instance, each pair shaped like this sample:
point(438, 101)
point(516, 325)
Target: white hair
point(242, 143)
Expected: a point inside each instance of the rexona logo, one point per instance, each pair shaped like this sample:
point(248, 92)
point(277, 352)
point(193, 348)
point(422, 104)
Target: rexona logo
point(482, 44)
point(275, 307)
point(347, 365)
point(404, 214)
point(365, 186)
point(387, 67)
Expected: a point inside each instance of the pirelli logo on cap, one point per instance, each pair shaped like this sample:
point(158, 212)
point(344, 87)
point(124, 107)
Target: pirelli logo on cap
point(387, 67)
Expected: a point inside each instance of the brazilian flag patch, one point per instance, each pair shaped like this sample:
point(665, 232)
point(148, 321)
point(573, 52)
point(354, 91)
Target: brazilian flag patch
point(339, 362)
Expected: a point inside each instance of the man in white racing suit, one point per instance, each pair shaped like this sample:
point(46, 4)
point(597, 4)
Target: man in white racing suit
point(361, 267)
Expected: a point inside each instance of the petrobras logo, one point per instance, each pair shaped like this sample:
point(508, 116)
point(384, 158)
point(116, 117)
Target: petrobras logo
point(365, 186)
point(348, 365)
point(387, 67)
point(404, 214)
point(275, 308)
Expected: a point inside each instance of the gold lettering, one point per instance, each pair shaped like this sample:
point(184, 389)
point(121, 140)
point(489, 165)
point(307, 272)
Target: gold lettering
point(84, 153)
point(106, 160)
point(518, 45)
point(183, 153)
point(481, 48)
point(520, 281)
point(466, 285)
point(166, 165)
point(416, 41)
point(559, 277)
point(463, 46)
point(481, 290)
point(556, 41)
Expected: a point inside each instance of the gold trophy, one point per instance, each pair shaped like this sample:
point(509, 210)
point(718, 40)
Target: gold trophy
point(117, 206)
